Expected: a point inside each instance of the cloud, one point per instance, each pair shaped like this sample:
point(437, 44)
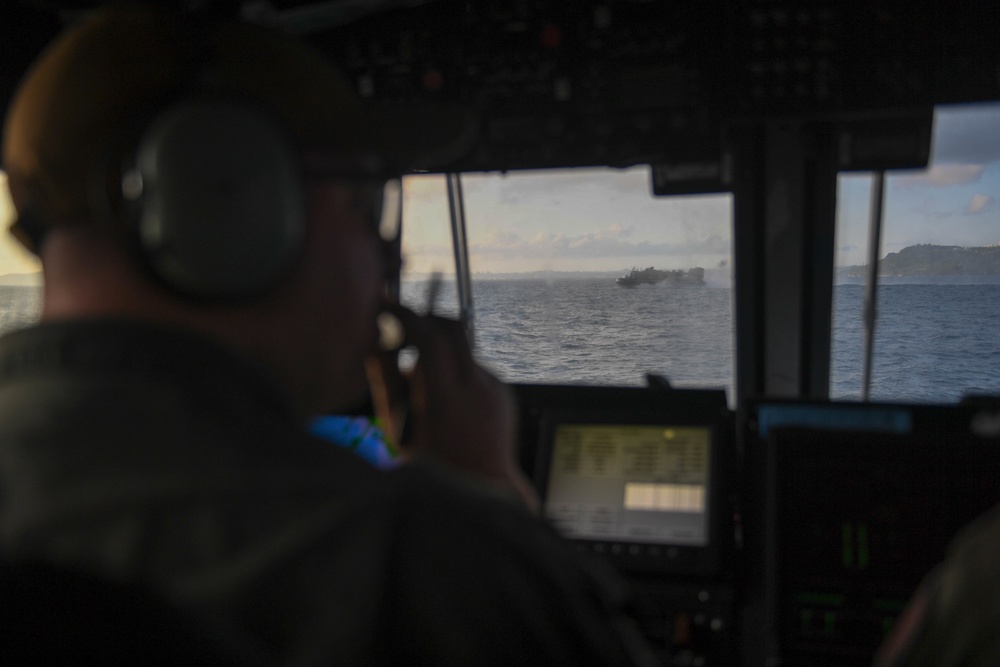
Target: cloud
point(624, 232)
point(13, 258)
point(967, 134)
point(979, 204)
point(942, 176)
point(929, 209)
point(545, 243)
point(609, 242)
point(499, 238)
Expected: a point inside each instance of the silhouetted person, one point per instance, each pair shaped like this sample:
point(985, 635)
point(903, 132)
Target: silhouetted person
point(204, 198)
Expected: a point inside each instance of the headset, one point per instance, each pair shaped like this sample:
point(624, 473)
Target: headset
point(208, 189)
point(211, 198)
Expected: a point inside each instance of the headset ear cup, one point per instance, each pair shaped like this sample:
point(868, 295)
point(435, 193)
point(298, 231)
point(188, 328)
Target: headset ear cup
point(217, 200)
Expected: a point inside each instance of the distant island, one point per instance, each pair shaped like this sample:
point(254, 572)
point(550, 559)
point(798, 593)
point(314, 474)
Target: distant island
point(934, 260)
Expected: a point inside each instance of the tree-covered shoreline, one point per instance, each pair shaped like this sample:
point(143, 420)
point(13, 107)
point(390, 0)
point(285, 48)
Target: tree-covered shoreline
point(935, 260)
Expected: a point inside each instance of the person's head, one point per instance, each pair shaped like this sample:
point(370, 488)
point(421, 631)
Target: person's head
point(216, 175)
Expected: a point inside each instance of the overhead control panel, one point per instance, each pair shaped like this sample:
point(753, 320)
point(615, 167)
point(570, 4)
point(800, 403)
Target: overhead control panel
point(623, 82)
point(601, 82)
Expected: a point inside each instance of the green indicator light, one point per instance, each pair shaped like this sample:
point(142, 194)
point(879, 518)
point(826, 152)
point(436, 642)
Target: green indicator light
point(824, 599)
point(863, 546)
point(848, 544)
point(829, 621)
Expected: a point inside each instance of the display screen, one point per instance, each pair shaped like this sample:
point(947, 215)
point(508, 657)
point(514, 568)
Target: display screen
point(630, 483)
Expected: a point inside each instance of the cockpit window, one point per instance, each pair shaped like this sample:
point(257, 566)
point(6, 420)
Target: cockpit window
point(582, 276)
point(938, 305)
point(20, 273)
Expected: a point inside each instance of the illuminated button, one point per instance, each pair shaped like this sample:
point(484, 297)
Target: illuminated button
point(829, 622)
point(703, 596)
point(716, 624)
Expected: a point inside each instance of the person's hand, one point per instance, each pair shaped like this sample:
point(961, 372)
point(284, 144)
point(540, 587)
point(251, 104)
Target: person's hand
point(448, 407)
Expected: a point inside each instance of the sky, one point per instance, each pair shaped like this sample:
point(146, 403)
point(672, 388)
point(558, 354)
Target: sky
point(607, 220)
point(13, 258)
point(954, 202)
point(574, 220)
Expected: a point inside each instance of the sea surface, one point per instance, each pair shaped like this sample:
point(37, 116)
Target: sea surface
point(934, 342)
point(19, 306)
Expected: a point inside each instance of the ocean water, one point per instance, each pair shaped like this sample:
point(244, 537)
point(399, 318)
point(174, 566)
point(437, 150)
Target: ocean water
point(19, 306)
point(933, 342)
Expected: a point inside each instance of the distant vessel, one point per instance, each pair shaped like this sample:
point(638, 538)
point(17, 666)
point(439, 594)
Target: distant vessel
point(651, 276)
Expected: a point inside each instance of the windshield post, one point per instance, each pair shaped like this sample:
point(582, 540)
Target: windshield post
point(463, 274)
point(871, 278)
point(784, 212)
